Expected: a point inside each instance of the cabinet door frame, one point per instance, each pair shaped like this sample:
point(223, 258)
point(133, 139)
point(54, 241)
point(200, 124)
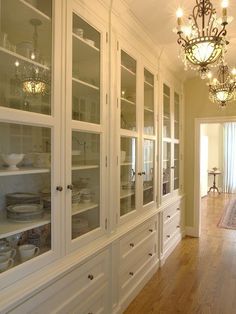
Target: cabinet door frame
point(74, 125)
point(52, 121)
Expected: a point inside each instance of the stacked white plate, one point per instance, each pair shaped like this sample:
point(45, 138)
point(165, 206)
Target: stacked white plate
point(22, 198)
point(24, 212)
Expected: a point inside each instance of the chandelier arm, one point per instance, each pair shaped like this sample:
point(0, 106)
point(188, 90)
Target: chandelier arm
point(182, 41)
point(223, 32)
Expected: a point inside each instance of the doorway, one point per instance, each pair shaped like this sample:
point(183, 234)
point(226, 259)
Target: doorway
point(207, 130)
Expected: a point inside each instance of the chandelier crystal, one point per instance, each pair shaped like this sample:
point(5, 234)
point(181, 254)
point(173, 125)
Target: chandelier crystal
point(223, 87)
point(202, 41)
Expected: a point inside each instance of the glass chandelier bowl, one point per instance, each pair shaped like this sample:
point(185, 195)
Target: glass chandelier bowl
point(222, 89)
point(202, 41)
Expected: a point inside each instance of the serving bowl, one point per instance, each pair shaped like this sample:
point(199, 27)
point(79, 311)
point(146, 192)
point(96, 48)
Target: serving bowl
point(12, 160)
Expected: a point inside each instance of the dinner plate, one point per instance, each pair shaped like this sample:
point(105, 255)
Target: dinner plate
point(25, 208)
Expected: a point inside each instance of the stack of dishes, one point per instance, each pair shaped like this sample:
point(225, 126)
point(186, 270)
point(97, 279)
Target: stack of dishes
point(75, 196)
point(22, 198)
point(24, 212)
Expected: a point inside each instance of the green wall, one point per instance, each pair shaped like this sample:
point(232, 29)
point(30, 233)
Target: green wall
point(197, 105)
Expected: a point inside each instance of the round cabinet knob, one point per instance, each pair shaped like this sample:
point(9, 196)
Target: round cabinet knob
point(131, 244)
point(150, 230)
point(177, 227)
point(178, 208)
point(131, 273)
point(139, 173)
point(144, 173)
point(70, 187)
point(150, 254)
point(168, 216)
point(168, 236)
point(90, 277)
point(59, 188)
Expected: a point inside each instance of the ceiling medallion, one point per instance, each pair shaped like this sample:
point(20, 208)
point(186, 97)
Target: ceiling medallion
point(222, 88)
point(202, 41)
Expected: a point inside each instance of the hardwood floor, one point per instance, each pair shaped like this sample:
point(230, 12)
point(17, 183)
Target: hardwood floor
point(200, 275)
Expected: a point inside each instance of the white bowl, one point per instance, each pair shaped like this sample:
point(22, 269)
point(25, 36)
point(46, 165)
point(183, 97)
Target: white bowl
point(12, 160)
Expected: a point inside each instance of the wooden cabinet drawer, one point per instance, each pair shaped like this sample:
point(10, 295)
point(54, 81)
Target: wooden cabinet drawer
point(132, 240)
point(171, 211)
point(134, 271)
point(170, 229)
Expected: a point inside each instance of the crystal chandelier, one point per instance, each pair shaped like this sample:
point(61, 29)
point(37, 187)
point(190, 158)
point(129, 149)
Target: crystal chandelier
point(202, 41)
point(33, 79)
point(222, 88)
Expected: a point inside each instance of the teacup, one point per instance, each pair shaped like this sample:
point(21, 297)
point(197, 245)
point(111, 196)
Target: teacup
point(28, 251)
point(8, 252)
point(5, 263)
point(3, 244)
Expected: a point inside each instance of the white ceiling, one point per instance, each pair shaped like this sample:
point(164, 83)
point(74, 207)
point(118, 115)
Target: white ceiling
point(158, 18)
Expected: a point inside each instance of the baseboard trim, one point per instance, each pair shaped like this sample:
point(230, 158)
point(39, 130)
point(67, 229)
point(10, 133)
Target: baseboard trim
point(191, 232)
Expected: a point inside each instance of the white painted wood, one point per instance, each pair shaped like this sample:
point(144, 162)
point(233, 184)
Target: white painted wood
point(204, 165)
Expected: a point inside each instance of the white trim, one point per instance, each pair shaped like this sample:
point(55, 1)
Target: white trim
point(196, 229)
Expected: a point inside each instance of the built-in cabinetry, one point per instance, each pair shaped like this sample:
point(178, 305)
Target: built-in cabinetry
point(64, 246)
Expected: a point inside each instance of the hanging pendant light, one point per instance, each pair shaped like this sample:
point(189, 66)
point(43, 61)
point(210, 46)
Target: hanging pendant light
point(202, 41)
point(33, 78)
point(222, 88)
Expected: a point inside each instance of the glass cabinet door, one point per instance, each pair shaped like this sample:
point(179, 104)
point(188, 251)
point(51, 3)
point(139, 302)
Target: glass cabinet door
point(166, 180)
point(176, 166)
point(148, 103)
point(148, 171)
point(85, 72)
point(128, 92)
point(128, 153)
point(166, 112)
point(85, 196)
point(25, 196)
point(26, 55)
point(176, 116)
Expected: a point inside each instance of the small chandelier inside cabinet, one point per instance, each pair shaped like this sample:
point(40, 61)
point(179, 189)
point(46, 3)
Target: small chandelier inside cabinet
point(202, 41)
point(223, 87)
point(33, 79)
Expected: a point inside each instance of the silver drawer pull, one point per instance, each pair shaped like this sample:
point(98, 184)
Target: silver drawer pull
point(90, 277)
point(131, 244)
point(168, 236)
point(150, 230)
point(131, 273)
point(178, 208)
point(150, 254)
point(168, 216)
point(177, 227)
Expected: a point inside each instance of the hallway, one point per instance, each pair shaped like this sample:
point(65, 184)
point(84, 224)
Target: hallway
point(200, 275)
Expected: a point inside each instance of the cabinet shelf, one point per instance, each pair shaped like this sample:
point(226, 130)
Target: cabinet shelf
point(148, 188)
point(148, 110)
point(149, 84)
point(85, 83)
point(166, 117)
point(8, 63)
point(84, 167)
point(126, 163)
point(38, 12)
point(128, 70)
point(83, 41)
point(128, 101)
point(22, 171)
point(9, 228)
point(82, 207)
point(126, 193)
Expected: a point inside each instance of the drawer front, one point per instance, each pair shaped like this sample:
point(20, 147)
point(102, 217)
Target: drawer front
point(94, 303)
point(171, 228)
point(74, 287)
point(132, 240)
point(171, 211)
point(132, 275)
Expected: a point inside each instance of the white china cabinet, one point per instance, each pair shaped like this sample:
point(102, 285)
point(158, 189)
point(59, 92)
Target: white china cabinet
point(170, 142)
point(28, 126)
point(138, 136)
point(86, 98)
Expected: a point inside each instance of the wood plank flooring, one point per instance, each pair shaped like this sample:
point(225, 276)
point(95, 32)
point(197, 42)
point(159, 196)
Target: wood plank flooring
point(200, 275)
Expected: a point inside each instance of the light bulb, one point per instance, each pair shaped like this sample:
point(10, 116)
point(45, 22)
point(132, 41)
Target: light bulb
point(225, 4)
point(233, 71)
point(179, 13)
point(17, 63)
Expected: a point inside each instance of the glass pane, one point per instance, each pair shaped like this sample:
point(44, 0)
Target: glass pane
point(128, 92)
point(86, 183)
point(85, 72)
point(148, 173)
point(176, 164)
point(176, 116)
point(148, 102)
point(127, 174)
point(26, 55)
point(166, 111)
point(25, 194)
point(166, 168)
